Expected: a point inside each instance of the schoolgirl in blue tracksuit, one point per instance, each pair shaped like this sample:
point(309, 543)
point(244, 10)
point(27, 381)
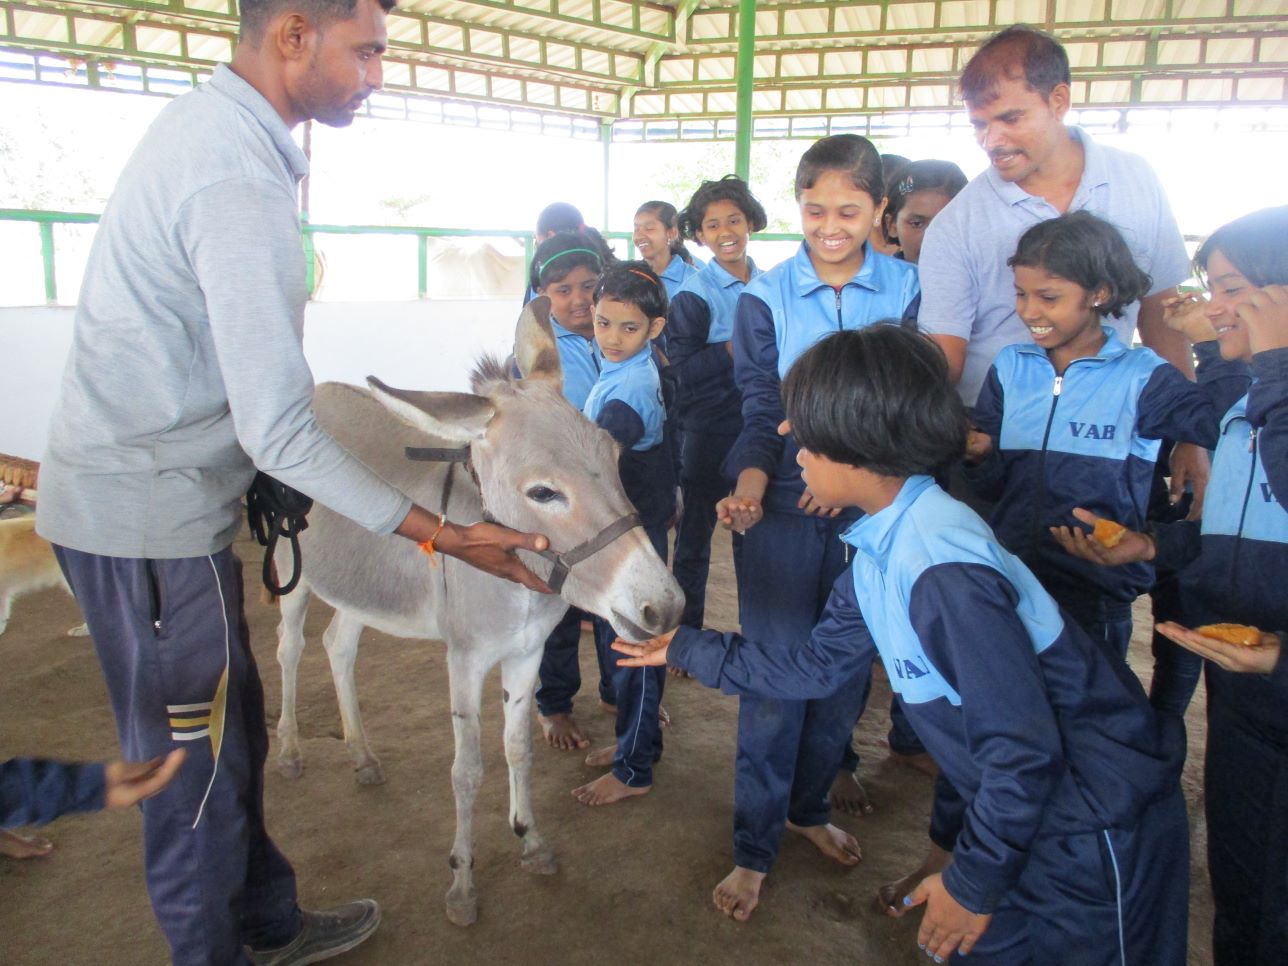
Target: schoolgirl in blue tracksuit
point(789, 751)
point(630, 309)
point(1076, 418)
point(566, 270)
point(659, 242)
point(708, 408)
point(1072, 846)
point(1238, 568)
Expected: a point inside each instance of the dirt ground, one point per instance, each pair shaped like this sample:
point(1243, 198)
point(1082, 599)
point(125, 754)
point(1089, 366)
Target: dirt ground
point(634, 878)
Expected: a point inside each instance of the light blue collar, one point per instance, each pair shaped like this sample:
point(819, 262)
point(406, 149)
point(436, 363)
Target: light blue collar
point(873, 535)
point(808, 282)
point(1095, 172)
point(1112, 348)
point(562, 333)
point(641, 358)
point(724, 278)
point(226, 82)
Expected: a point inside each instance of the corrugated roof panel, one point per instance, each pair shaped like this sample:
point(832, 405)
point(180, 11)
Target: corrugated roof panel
point(396, 74)
point(596, 61)
point(766, 24)
point(654, 21)
point(1126, 53)
point(1230, 50)
point(709, 27)
point(675, 70)
point(932, 60)
point(468, 82)
point(628, 68)
point(433, 78)
point(887, 61)
point(770, 101)
point(1179, 51)
point(157, 40)
point(574, 99)
point(648, 105)
point(847, 63)
point(539, 93)
point(844, 98)
point(766, 65)
point(1079, 11)
point(610, 11)
point(1209, 89)
point(1021, 11)
point(1255, 8)
point(561, 55)
point(717, 68)
point(208, 47)
point(488, 42)
point(807, 21)
point(963, 13)
point(1273, 50)
point(97, 33)
point(930, 95)
point(405, 29)
point(1188, 9)
point(507, 89)
point(686, 104)
point(40, 26)
point(1260, 89)
point(810, 100)
point(1137, 9)
point(722, 102)
point(887, 98)
point(438, 34)
point(1108, 92)
point(799, 65)
point(858, 17)
point(525, 49)
point(1082, 55)
point(910, 16)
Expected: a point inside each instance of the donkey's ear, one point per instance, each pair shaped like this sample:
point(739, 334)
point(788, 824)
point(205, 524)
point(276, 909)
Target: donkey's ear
point(455, 416)
point(535, 351)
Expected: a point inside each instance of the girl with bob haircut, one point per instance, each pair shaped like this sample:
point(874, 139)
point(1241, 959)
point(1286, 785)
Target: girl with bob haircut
point(658, 239)
point(1074, 834)
point(794, 756)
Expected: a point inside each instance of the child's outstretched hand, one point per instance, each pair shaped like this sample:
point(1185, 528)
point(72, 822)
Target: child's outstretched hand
point(1240, 658)
point(1265, 313)
point(129, 783)
point(1133, 546)
point(947, 926)
point(739, 513)
point(1185, 314)
point(978, 446)
point(652, 653)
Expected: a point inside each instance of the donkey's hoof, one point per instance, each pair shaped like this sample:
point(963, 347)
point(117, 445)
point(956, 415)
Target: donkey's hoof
point(542, 862)
point(290, 767)
point(462, 910)
point(369, 774)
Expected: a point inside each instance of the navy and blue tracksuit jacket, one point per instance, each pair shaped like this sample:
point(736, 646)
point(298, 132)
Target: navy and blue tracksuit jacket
point(627, 401)
point(700, 322)
point(1087, 438)
point(1034, 725)
point(35, 791)
point(778, 316)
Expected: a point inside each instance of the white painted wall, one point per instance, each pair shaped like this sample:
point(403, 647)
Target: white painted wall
point(418, 345)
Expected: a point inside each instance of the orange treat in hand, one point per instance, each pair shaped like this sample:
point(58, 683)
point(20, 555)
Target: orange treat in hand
point(1108, 534)
point(1232, 633)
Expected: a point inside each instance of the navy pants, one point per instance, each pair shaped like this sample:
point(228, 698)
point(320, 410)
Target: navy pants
point(639, 694)
point(559, 679)
point(788, 750)
point(1246, 786)
point(703, 486)
point(1112, 897)
point(167, 632)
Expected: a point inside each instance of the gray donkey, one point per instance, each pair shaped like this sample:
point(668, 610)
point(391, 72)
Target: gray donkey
point(535, 464)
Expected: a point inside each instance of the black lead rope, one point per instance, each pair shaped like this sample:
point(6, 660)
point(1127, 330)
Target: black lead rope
point(275, 510)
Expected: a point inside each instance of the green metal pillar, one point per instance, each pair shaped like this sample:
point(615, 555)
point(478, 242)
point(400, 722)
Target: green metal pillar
point(606, 138)
point(47, 256)
point(422, 265)
point(746, 72)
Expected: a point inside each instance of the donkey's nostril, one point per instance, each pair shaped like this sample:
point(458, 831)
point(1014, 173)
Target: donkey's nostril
point(649, 616)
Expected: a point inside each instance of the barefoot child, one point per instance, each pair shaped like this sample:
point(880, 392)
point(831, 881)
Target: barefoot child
point(720, 216)
point(630, 311)
point(566, 270)
point(1238, 567)
point(789, 751)
point(1074, 835)
point(657, 238)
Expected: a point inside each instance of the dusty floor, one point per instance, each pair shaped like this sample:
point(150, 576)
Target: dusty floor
point(634, 878)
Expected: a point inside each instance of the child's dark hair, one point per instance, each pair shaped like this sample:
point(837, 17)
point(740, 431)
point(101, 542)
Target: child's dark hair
point(557, 217)
point(1019, 52)
point(560, 254)
point(665, 212)
point(850, 153)
point(1087, 251)
point(904, 181)
point(634, 283)
point(730, 188)
point(1256, 244)
point(877, 398)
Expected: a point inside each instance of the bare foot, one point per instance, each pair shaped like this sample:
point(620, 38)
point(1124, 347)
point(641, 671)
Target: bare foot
point(678, 672)
point(848, 794)
point(563, 732)
point(607, 789)
point(15, 846)
point(607, 708)
point(738, 893)
point(891, 895)
point(921, 762)
point(837, 844)
point(602, 757)
point(663, 718)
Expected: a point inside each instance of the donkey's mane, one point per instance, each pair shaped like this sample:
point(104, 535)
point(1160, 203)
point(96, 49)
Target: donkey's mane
point(488, 371)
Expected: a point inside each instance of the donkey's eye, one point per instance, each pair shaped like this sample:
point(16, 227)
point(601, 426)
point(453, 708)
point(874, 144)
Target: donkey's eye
point(542, 494)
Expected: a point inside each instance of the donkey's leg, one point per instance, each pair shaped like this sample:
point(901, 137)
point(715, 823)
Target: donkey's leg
point(466, 672)
point(341, 641)
point(290, 645)
point(518, 681)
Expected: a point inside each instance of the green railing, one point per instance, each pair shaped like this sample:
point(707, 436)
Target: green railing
point(46, 220)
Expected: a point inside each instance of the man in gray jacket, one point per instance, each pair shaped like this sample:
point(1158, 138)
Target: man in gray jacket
point(186, 372)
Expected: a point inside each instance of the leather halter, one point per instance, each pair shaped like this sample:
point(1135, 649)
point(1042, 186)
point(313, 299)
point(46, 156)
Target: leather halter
point(563, 562)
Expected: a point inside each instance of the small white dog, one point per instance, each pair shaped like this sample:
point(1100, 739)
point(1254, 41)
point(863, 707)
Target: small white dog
point(27, 564)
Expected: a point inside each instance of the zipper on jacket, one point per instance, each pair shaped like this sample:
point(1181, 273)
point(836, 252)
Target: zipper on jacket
point(839, 324)
point(1243, 513)
point(1042, 488)
point(154, 595)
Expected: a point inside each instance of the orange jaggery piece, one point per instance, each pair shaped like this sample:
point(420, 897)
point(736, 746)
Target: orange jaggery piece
point(1232, 633)
point(1108, 533)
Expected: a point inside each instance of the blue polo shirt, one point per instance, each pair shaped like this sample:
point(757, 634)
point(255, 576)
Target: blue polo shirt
point(967, 289)
point(676, 273)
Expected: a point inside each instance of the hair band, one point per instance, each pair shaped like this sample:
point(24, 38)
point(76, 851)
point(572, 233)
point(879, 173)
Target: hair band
point(905, 186)
point(649, 278)
point(569, 251)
